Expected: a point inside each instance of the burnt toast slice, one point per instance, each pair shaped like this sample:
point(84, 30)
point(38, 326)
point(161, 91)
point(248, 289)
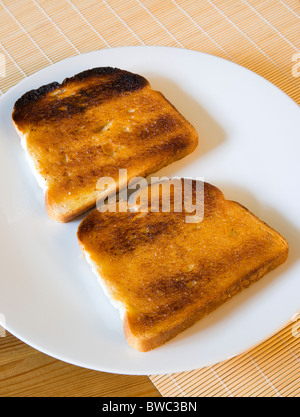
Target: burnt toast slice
point(164, 274)
point(92, 125)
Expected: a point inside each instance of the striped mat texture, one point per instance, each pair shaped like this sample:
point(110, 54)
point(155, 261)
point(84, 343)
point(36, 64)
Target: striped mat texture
point(262, 35)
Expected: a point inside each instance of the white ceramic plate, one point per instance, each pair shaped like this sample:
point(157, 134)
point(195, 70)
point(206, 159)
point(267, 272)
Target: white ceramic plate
point(249, 147)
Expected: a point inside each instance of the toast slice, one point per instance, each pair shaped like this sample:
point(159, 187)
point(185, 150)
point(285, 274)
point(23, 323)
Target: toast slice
point(164, 274)
point(90, 126)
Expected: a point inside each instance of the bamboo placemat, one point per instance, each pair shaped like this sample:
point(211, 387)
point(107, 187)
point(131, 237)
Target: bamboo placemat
point(262, 35)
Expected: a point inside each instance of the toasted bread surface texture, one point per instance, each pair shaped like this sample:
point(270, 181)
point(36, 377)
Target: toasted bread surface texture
point(90, 126)
point(167, 273)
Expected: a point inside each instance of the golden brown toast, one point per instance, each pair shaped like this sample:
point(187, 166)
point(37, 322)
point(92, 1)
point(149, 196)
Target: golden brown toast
point(92, 125)
point(165, 274)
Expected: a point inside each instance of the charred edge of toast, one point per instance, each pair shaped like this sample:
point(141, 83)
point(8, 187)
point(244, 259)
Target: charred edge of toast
point(122, 81)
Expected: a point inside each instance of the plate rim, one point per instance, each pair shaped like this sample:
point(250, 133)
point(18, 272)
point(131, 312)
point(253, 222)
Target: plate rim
point(135, 47)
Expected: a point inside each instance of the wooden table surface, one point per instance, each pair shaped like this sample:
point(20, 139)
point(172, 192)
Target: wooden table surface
point(26, 372)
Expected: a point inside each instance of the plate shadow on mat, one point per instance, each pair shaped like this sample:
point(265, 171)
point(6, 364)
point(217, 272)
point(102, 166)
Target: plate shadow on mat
point(275, 220)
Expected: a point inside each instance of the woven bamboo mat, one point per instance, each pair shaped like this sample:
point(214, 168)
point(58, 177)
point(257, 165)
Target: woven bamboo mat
point(262, 35)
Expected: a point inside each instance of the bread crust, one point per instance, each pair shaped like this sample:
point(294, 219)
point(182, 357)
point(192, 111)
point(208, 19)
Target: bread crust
point(28, 110)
